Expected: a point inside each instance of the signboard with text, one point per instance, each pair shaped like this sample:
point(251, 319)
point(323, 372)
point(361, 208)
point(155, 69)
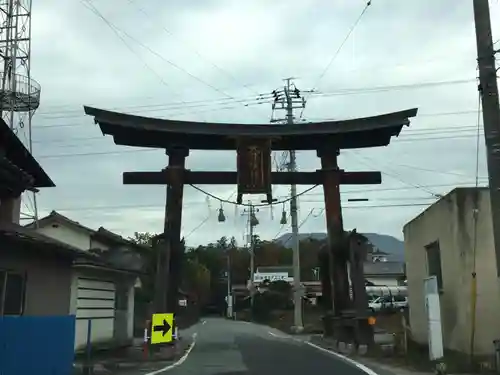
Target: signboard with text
point(272, 276)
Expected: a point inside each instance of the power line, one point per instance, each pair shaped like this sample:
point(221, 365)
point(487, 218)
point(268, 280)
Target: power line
point(264, 96)
point(160, 207)
point(171, 34)
point(228, 107)
point(155, 53)
point(397, 177)
point(408, 135)
point(387, 88)
point(160, 106)
point(88, 4)
point(264, 101)
point(95, 153)
point(339, 49)
point(364, 68)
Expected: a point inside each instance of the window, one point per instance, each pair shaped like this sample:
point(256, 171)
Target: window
point(12, 290)
point(434, 263)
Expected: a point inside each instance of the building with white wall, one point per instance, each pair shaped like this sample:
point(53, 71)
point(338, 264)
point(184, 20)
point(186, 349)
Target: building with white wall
point(102, 295)
point(448, 241)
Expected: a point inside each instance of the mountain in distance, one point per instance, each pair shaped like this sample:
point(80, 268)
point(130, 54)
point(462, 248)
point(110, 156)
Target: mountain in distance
point(388, 244)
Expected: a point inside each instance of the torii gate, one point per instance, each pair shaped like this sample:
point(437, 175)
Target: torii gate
point(254, 144)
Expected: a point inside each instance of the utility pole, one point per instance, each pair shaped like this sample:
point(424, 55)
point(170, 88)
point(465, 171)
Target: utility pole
point(252, 222)
point(289, 99)
point(229, 291)
point(488, 91)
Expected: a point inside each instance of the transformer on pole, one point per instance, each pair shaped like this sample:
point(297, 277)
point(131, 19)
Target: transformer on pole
point(19, 93)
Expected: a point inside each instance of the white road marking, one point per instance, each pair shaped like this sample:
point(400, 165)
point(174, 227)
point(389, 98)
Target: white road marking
point(280, 336)
point(203, 322)
point(179, 362)
point(360, 366)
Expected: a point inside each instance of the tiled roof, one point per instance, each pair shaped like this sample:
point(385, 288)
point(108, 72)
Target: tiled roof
point(30, 237)
point(18, 154)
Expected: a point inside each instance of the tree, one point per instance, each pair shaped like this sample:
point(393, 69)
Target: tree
point(142, 238)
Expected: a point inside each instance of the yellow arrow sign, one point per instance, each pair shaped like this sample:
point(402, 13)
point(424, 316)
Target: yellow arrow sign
point(161, 328)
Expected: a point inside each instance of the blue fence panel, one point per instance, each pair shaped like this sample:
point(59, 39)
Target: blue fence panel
point(37, 345)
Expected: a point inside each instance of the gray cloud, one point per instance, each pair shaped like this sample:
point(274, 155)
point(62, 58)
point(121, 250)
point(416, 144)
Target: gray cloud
point(227, 45)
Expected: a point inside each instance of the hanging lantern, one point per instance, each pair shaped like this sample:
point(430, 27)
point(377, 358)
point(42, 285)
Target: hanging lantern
point(283, 218)
point(253, 220)
point(221, 218)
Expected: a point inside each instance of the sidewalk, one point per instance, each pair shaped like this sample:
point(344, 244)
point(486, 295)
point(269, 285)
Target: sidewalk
point(133, 359)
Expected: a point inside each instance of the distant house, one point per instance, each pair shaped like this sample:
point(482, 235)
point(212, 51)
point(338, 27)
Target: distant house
point(385, 273)
point(101, 293)
point(443, 241)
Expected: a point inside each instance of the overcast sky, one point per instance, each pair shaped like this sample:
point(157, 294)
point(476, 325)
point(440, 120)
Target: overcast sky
point(156, 58)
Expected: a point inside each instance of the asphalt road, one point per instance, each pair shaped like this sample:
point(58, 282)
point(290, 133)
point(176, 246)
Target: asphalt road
point(226, 347)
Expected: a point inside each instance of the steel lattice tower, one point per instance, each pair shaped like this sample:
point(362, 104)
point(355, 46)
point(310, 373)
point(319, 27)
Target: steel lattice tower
point(19, 93)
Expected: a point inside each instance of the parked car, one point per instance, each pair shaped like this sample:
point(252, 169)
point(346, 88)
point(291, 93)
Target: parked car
point(388, 302)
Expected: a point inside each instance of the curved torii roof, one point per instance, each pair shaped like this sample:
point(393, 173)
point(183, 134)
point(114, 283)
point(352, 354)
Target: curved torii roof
point(139, 131)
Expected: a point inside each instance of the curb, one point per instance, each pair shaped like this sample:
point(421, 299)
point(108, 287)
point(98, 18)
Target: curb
point(109, 367)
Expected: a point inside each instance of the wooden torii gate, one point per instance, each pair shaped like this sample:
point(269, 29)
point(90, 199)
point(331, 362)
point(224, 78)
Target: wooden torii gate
point(253, 144)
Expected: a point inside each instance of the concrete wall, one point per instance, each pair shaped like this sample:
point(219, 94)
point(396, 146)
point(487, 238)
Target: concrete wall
point(48, 281)
point(450, 221)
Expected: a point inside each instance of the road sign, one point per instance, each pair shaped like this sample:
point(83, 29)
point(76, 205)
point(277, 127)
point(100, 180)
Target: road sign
point(161, 328)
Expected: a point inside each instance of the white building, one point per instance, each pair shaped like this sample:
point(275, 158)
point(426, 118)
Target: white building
point(102, 295)
point(447, 242)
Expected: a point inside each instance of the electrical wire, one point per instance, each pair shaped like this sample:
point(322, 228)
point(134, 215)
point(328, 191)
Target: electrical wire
point(193, 204)
point(410, 135)
point(171, 34)
point(264, 96)
point(310, 214)
point(310, 194)
point(204, 221)
point(222, 108)
point(157, 106)
point(279, 232)
point(395, 176)
point(339, 49)
point(364, 68)
point(88, 4)
point(155, 53)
